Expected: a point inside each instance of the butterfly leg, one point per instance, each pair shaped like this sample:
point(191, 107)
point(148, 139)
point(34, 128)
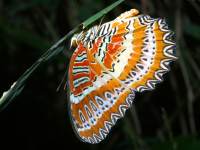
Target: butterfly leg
point(128, 14)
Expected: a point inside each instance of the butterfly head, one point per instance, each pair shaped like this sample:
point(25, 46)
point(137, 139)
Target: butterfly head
point(76, 39)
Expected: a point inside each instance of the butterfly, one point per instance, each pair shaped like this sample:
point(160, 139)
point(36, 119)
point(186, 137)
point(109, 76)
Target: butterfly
point(111, 63)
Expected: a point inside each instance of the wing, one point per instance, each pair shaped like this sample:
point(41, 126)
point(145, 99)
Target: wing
point(97, 99)
point(130, 53)
point(136, 50)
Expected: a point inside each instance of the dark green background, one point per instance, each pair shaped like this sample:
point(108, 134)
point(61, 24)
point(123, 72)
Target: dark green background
point(166, 118)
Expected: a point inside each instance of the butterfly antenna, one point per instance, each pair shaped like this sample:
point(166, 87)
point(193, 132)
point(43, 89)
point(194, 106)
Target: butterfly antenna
point(100, 23)
point(61, 82)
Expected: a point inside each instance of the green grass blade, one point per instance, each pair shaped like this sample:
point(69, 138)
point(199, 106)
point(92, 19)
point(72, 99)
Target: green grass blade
point(53, 51)
point(100, 14)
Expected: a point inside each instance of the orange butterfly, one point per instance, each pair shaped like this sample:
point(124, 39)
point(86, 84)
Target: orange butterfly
point(110, 64)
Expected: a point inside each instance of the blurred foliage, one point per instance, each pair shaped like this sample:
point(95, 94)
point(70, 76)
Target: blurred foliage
point(166, 118)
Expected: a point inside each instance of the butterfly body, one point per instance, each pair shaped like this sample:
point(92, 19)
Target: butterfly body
point(110, 64)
